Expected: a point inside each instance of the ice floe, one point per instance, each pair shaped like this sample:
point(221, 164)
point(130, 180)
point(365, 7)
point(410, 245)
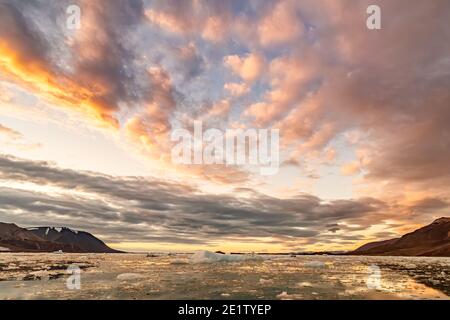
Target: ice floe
point(129, 276)
point(304, 284)
point(265, 281)
point(315, 264)
point(211, 257)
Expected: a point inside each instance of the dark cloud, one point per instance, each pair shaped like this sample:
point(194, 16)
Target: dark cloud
point(190, 62)
point(146, 209)
point(103, 54)
point(18, 31)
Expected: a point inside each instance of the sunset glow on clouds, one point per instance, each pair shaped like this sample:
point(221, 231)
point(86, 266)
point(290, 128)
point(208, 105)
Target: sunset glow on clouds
point(86, 117)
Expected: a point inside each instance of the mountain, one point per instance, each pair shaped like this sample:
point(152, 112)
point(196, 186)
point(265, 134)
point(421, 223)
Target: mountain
point(47, 239)
point(14, 238)
point(84, 240)
point(432, 240)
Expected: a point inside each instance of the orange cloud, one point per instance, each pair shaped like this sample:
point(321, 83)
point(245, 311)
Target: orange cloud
point(281, 25)
point(219, 109)
point(350, 169)
point(248, 68)
point(24, 60)
point(58, 89)
point(167, 21)
point(215, 29)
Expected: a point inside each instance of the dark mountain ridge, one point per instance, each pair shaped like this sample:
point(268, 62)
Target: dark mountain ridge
point(431, 240)
point(49, 239)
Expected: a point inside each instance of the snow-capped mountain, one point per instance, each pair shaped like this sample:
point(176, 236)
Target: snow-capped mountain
point(84, 240)
point(49, 239)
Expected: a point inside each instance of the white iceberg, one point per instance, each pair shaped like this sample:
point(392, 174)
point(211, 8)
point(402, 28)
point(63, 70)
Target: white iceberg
point(304, 284)
point(211, 257)
point(284, 296)
point(315, 264)
point(129, 276)
point(265, 281)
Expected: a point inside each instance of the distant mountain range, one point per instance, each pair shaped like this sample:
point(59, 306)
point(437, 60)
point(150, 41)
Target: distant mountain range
point(49, 239)
point(432, 240)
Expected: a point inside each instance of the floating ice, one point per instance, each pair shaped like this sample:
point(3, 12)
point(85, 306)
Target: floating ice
point(304, 284)
point(210, 257)
point(315, 264)
point(285, 296)
point(129, 276)
point(265, 281)
point(157, 278)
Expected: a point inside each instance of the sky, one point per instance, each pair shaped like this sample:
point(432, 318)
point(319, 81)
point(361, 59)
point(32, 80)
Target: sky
point(87, 114)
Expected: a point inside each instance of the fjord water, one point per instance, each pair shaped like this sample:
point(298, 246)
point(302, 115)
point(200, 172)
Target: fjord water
point(180, 276)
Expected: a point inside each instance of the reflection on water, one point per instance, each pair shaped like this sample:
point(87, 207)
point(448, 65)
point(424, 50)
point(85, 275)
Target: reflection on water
point(135, 276)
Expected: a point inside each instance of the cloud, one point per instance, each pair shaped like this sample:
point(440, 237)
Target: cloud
point(150, 128)
point(219, 109)
point(15, 139)
point(280, 25)
point(209, 20)
point(102, 53)
point(166, 21)
point(430, 204)
point(390, 86)
point(146, 209)
point(191, 63)
point(248, 68)
point(292, 77)
point(97, 80)
point(10, 133)
point(350, 169)
point(215, 28)
point(236, 89)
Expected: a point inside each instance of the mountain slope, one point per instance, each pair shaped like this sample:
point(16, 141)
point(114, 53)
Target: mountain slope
point(431, 240)
point(84, 240)
point(46, 239)
point(17, 239)
point(10, 231)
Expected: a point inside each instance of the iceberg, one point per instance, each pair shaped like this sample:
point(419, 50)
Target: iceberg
point(211, 257)
point(129, 276)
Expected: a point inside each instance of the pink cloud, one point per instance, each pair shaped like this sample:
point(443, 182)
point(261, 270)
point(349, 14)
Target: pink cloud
point(248, 68)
